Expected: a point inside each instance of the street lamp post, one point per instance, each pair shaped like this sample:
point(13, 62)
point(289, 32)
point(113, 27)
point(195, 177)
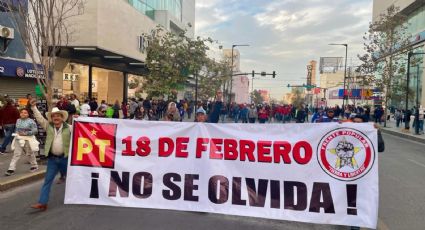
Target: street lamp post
point(252, 87)
point(231, 78)
point(406, 124)
point(345, 72)
point(417, 102)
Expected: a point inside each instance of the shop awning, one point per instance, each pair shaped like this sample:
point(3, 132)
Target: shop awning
point(103, 59)
point(15, 68)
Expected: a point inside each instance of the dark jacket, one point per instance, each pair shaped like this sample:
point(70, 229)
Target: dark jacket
point(8, 115)
point(214, 115)
point(300, 116)
point(93, 105)
point(381, 143)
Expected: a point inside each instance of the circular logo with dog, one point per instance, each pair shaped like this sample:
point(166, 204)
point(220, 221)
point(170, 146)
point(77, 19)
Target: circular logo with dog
point(346, 154)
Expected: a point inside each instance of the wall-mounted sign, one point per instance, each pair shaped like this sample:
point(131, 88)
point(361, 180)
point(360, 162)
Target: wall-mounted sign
point(309, 73)
point(143, 44)
point(70, 77)
point(12, 68)
point(29, 73)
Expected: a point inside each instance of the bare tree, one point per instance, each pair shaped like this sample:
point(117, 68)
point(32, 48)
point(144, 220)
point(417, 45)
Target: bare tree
point(44, 26)
point(383, 65)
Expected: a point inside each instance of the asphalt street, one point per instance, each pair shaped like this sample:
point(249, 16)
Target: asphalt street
point(402, 204)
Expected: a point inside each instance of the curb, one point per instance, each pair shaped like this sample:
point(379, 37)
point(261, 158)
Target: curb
point(402, 135)
point(21, 180)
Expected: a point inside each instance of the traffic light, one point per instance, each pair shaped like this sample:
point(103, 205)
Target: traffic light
point(253, 73)
point(274, 74)
point(263, 73)
point(289, 86)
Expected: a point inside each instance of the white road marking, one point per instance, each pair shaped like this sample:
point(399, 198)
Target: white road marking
point(413, 161)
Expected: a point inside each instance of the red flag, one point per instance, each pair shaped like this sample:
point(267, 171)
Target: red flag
point(93, 144)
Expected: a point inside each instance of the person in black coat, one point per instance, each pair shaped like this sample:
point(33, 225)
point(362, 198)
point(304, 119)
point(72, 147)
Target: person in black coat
point(214, 115)
point(381, 143)
point(300, 117)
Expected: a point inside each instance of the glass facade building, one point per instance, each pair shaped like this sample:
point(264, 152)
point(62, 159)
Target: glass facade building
point(416, 27)
point(148, 7)
point(143, 7)
point(414, 10)
point(416, 21)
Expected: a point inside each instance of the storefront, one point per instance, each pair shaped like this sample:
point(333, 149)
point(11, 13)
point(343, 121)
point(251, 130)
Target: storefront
point(95, 73)
point(107, 85)
point(18, 78)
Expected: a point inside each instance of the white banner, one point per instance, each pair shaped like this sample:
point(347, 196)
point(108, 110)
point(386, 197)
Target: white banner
point(317, 173)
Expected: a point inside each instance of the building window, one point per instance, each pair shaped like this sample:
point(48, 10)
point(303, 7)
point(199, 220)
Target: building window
point(75, 80)
point(417, 21)
point(107, 85)
point(143, 7)
point(148, 7)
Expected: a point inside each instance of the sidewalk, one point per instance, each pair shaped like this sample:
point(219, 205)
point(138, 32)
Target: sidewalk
point(400, 132)
point(22, 174)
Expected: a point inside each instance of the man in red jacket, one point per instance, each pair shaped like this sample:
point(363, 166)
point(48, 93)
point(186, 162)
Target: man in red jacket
point(8, 116)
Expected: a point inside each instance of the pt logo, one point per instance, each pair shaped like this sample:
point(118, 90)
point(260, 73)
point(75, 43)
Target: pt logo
point(346, 154)
point(94, 145)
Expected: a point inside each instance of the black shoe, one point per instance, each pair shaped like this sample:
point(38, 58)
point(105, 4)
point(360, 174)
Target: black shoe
point(9, 172)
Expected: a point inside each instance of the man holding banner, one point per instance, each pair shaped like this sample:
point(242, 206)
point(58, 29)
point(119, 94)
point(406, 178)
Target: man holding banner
point(316, 173)
point(56, 148)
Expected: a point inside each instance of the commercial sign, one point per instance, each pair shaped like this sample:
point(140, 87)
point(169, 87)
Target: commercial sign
point(316, 173)
point(143, 43)
point(309, 73)
point(360, 93)
point(12, 68)
point(70, 77)
point(331, 64)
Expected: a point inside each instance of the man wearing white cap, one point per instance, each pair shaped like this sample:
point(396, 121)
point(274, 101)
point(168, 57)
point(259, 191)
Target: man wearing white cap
point(201, 115)
point(56, 148)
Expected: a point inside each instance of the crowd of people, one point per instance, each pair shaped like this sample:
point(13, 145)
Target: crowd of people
point(20, 125)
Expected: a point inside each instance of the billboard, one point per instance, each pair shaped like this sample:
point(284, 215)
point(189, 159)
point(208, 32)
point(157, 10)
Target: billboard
point(331, 64)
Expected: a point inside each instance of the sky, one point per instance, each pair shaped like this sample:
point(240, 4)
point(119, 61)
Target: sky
point(284, 35)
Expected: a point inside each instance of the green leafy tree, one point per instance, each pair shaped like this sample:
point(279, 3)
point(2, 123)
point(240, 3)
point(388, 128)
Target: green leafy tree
point(256, 97)
point(171, 58)
point(298, 97)
point(211, 79)
point(383, 64)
